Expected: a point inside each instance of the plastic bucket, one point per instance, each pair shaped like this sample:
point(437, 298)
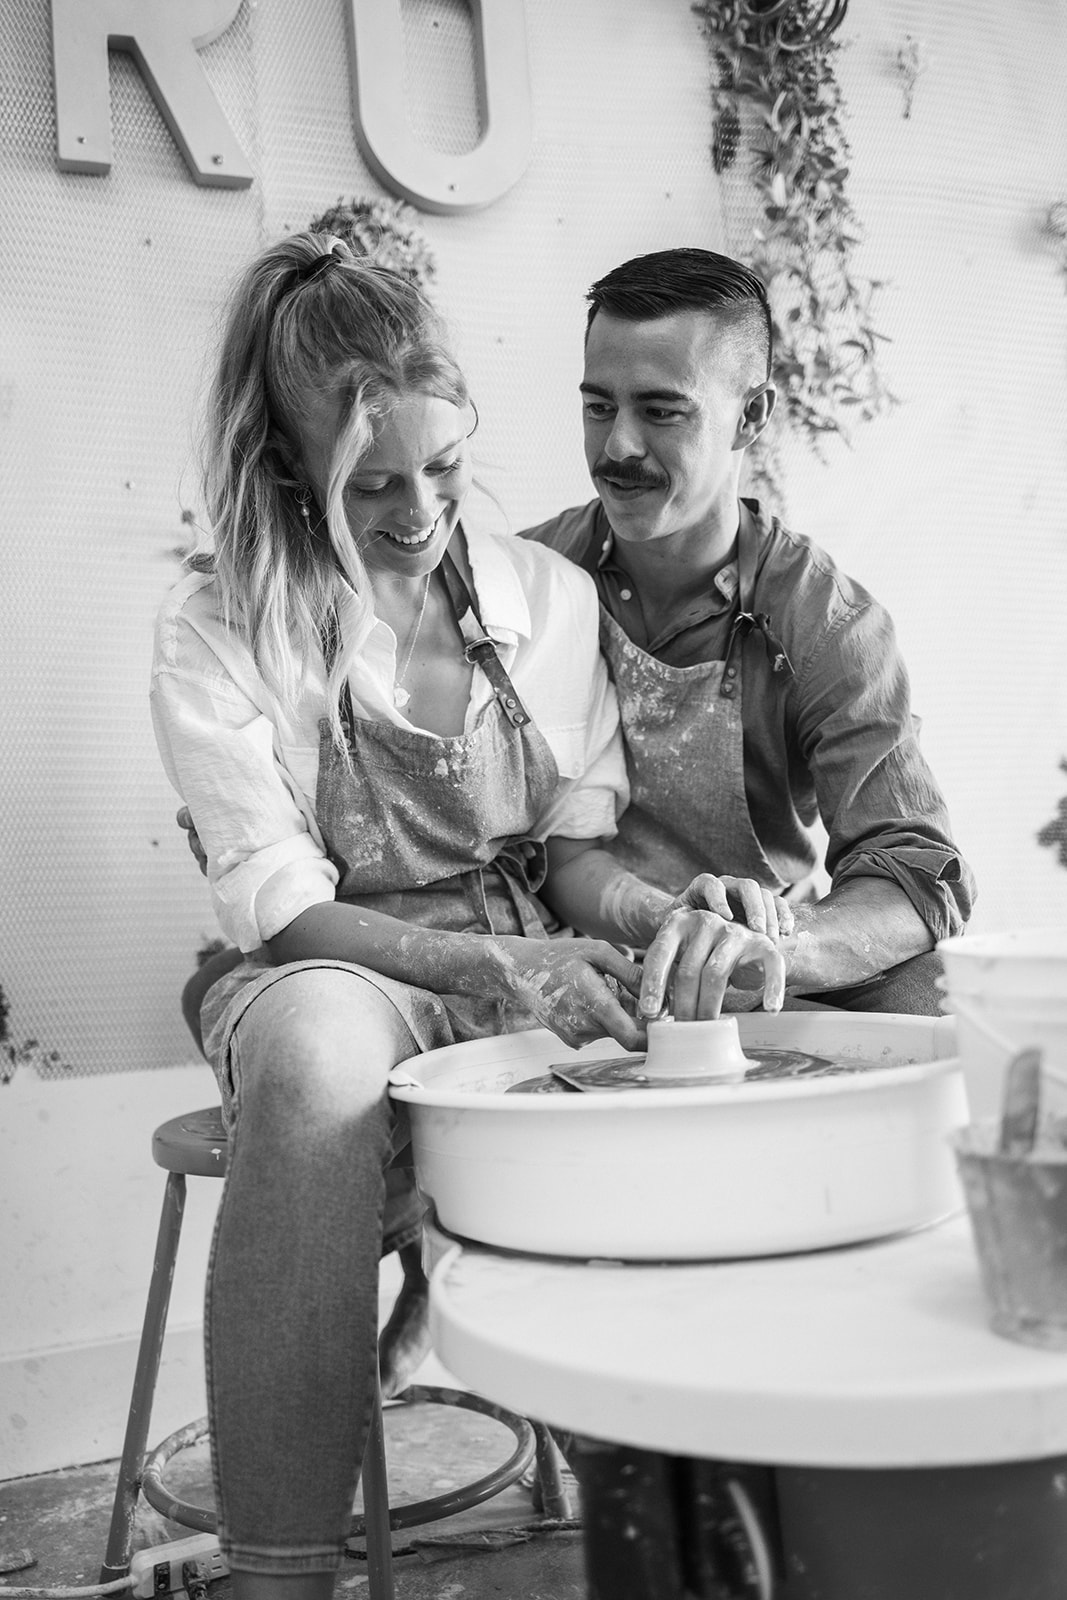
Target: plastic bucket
point(1008, 992)
point(1018, 1209)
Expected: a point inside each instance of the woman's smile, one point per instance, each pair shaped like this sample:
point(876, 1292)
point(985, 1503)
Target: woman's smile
point(411, 541)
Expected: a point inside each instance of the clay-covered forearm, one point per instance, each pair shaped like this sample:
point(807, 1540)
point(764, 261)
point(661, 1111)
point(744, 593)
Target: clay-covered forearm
point(446, 963)
point(588, 890)
point(864, 927)
point(572, 986)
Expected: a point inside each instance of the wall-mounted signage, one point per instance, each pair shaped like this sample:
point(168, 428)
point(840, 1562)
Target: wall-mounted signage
point(431, 179)
point(164, 38)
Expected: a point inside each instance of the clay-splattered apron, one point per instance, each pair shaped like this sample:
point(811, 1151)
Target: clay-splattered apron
point(688, 811)
point(437, 831)
point(434, 831)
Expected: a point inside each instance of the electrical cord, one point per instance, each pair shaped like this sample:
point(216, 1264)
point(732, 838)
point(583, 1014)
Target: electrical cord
point(117, 1587)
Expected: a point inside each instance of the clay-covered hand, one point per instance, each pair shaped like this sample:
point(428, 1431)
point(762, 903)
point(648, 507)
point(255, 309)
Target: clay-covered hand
point(576, 987)
point(739, 900)
point(184, 820)
point(693, 958)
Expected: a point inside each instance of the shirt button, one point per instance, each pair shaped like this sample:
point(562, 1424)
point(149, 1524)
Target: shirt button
point(731, 672)
point(605, 547)
point(626, 594)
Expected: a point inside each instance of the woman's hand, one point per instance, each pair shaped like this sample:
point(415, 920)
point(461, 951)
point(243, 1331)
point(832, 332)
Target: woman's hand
point(735, 898)
point(693, 958)
point(184, 819)
point(570, 985)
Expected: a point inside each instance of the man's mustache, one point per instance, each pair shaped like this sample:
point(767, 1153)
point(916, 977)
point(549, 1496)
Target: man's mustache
point(629, 473)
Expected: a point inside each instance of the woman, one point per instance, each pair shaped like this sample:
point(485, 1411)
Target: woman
point(389, 734)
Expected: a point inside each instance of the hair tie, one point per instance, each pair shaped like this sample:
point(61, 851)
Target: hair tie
point(315, 268)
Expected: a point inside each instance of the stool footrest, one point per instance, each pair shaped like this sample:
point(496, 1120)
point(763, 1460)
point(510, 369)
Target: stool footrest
point(412, 1515)
point(462, 1498)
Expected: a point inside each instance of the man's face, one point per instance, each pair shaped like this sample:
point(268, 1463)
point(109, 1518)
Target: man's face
point(661, 415)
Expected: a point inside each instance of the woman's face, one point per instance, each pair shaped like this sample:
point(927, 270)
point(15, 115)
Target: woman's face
point(404, 497)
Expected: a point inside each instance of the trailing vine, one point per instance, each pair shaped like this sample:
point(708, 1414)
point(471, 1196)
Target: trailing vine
point(15, 1053)
point(776, 98)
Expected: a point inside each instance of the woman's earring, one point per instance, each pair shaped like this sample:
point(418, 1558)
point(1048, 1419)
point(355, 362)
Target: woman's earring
point(303, 500)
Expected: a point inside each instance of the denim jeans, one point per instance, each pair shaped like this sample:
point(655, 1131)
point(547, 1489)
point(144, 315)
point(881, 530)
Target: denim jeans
point(292, 1300)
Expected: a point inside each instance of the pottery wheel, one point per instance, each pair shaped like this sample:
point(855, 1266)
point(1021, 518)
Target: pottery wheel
point(625, 1072)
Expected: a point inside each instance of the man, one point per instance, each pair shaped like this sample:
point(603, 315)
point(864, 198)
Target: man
point(759, 686)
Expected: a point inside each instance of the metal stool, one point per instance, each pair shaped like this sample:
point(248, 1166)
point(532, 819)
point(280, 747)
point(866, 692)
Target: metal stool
point(196, 1145)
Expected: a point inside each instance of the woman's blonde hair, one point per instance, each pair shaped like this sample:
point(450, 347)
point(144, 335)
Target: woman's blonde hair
point(306, 315)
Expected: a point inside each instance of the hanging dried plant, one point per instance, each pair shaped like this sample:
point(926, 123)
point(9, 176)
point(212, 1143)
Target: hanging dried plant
point(388, 230)
point(776, 102)
point(1054, 834)
point(15, 1053)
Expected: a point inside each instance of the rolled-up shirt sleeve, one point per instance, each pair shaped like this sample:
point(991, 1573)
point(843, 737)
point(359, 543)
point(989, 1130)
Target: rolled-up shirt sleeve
point(266, 862)
point(879, 800)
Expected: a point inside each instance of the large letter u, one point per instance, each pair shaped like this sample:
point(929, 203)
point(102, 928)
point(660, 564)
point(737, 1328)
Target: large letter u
point(432, 179)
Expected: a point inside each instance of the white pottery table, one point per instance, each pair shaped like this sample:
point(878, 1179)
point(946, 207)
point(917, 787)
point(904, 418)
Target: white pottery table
point(874, 1357)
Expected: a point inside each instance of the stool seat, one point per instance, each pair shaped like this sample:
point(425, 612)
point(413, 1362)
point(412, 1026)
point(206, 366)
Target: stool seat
point(196, 1144)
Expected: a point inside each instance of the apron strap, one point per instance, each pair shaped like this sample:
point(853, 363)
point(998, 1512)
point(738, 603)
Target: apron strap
point(747, 621)
point(330, 637)
point(479, 648)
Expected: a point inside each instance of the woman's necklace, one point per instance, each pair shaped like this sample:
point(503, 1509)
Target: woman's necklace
point(400, 694)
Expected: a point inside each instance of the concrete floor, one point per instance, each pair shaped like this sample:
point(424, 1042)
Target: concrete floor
point(501, 1548)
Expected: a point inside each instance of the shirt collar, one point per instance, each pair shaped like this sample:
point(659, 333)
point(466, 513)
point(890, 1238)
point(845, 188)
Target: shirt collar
point(603, 550)
point(502, 602)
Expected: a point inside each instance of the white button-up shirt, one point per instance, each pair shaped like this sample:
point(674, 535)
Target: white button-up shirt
point(246, 764)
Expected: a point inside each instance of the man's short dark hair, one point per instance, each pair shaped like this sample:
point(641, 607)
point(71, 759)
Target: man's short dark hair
point(687, 279)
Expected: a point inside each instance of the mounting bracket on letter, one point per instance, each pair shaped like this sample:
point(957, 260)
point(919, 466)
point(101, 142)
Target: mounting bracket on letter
point(163, 39)
point(427, 178)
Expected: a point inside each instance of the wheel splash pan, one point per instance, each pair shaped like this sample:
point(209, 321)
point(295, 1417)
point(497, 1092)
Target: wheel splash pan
point(726, 1171)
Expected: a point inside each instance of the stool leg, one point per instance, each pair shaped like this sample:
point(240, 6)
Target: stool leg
point(117, 1559)
point(550, 1498)
point(376, 1506)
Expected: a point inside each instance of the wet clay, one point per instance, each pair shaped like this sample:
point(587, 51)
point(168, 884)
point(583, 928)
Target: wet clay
point(619, 1073)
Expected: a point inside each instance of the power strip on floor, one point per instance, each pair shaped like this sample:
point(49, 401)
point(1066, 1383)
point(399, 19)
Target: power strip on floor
point(188, 1564)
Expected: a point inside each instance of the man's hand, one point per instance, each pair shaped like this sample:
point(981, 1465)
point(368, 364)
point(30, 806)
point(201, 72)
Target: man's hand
point(739, 899)
point(693, 958)
point(185, 820)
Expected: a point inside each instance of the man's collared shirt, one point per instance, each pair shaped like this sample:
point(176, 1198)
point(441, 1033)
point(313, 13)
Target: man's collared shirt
point(836, 739)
